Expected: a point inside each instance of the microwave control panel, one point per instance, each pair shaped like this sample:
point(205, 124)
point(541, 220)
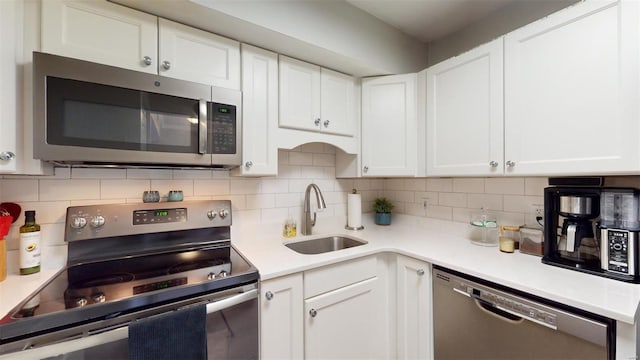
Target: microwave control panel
point(222, 128)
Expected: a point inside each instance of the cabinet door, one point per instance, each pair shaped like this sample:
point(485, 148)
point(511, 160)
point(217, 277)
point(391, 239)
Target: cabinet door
point(571, 91)
point(299, 94)
point(464, 129)
point(414, 309)
point(195, 55)
point(337, 105)
point(345, 323)
point(389, 124)
point(259, 112)
point(101, 32)
point(8, 86)
point(281, 323)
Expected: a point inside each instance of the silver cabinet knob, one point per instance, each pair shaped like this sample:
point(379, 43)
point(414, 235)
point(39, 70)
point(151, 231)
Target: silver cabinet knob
point(326, 123)
point(313, 313)
point(166, 65)
point(420, 272)
point(147, 60)
point(493, 164)
point(268, 295)
point(7, 155)
point(248, 164)
point(97, 221)
point(317, 122)
point(78, 222)
point(365, 169)
point(510, 163)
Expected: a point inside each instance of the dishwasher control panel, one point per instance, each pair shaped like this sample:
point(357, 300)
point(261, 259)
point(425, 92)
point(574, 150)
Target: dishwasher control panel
point(508, 303)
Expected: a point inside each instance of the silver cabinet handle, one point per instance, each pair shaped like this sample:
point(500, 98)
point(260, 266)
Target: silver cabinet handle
point(326, 123)
point(248, 164)
point(510, 164)
point(7, 155)
point(493, 164)
point(313, 313)
point(365, 169)
point(420, 272)
point(317, 121)
point(147, 60)
point(166, 65)
point(268, 295)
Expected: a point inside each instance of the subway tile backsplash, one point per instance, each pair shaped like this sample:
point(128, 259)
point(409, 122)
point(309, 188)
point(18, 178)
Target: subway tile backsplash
point(270, 199)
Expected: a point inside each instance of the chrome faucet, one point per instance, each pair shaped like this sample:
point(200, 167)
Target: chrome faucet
point(307, 223)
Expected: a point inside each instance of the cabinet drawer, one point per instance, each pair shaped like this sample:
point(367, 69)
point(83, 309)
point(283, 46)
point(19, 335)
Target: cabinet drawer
point(321, 280)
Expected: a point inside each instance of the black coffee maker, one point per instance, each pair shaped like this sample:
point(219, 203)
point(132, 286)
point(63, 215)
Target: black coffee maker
point(592, 229)
point(571, 225)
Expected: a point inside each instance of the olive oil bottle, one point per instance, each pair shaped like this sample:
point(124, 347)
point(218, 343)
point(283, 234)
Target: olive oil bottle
point(29, 244)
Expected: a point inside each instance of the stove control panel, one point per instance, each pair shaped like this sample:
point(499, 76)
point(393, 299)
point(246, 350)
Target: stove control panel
point(106, 220)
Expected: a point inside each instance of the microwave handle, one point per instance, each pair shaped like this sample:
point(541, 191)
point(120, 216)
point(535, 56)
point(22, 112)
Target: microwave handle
point(202, 127)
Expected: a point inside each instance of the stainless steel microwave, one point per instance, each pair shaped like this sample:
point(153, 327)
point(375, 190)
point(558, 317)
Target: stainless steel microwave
point(93, 114)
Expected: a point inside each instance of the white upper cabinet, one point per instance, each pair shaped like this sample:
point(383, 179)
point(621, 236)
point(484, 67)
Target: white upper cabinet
point(9, 25)
point(389, 125)
point(195, 55)
point(259, 112)
point(315, 99)
point(103, 32)
point(464, 122)
point(571, 92)
point(337, 108)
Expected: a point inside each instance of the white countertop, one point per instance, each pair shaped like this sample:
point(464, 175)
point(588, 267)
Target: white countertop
point(438, 242)
point(446, 244)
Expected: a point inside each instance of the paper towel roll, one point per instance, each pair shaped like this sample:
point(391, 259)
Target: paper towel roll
point(354, 211)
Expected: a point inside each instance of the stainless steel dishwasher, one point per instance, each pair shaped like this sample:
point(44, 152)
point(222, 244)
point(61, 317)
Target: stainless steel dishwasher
point(476, 319)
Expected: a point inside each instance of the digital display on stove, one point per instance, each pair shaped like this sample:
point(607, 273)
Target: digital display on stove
point(159, 285)
point(159, 216)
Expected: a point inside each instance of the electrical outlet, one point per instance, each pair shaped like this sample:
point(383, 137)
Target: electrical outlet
point(539, 212)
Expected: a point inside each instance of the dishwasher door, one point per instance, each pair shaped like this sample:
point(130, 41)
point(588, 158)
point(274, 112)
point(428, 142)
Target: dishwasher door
point(474, 319)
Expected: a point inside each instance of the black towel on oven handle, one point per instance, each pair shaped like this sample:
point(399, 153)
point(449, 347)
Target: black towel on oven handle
point(179, 334)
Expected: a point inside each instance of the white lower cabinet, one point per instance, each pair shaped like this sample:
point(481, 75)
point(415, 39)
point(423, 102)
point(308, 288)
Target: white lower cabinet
point(344, 323)
point(373, 307)
point(281, 332)
point(413, 312)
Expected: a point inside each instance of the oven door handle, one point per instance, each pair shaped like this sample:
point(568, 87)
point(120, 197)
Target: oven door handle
point(231, 301)
point(65, 347)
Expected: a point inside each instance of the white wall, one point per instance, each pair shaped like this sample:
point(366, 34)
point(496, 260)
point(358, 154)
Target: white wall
point(507, 19)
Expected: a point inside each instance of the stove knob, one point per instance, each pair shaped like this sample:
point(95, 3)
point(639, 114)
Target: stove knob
point(223, 213)
point(222, 274)
point(80, 302)
point(78, 222)
point(99, 298)
point(97, 221)
point(211, 276)
point(211, 214)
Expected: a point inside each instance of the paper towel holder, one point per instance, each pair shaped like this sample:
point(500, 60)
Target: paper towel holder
point(353, 228)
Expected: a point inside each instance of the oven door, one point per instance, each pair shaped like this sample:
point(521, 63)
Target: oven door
point(232, 333)
point(92, 113)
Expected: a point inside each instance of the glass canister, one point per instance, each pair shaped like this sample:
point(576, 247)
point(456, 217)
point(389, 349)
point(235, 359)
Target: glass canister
point(484, 229)
point(532, 240)
point(509, 238)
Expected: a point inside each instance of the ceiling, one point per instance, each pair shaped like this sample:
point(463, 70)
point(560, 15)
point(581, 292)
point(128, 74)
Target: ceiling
point(428, 20)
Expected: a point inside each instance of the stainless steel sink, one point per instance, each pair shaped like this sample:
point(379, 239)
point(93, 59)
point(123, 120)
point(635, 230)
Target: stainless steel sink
point(324, 244)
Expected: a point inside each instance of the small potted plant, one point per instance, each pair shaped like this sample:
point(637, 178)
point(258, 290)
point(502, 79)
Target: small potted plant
point(382, 208)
